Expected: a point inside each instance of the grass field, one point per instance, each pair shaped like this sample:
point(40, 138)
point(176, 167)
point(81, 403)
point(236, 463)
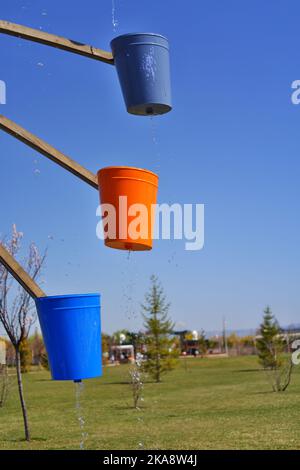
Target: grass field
point(213, 403)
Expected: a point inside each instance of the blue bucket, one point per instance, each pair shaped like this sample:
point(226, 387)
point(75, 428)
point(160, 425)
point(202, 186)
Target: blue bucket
point(143, 65)
point(72, 333)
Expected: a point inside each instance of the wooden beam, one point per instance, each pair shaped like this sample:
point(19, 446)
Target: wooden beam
point(19, 274)
point(52, 40)
point(48, 151)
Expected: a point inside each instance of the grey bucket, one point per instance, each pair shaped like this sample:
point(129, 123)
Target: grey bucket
point(143, 65)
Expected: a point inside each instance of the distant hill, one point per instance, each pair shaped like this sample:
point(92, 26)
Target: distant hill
point(249, 332)
point(242, 332)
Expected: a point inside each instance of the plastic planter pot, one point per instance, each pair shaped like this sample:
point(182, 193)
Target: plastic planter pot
point(143, 66)
point(72, 333)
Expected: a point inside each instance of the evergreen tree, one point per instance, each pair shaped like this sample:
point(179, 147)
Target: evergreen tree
point(203, 343)
point(270, 344)
point(161, 355)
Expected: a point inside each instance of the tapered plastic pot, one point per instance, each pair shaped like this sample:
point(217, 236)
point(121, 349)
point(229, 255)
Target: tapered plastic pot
point(72, 333)
point(143, 66)
point(128, 199)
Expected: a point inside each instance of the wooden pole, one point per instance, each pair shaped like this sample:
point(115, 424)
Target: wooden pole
point(19, 274)
point(48, 151)
point(52, 40)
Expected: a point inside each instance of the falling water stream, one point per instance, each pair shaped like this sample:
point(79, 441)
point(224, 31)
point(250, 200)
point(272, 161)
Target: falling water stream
point(129, 276)
point(128, 282)
point(114, 20)
point(155, 143)
point(139, 379)
point(79, 389)
point(172, 258)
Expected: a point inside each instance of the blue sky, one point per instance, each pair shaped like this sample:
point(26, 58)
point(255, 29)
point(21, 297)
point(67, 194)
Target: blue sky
point(231, 142)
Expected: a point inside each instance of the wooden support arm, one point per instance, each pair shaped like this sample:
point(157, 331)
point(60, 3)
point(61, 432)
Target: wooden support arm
point(52, 40)
point(19, 274)
point(48, 151)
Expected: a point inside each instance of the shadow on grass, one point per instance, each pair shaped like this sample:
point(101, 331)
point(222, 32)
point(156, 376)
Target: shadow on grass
point(131, 408)
point(129, 383)
point(22, 439)
point(44, 380)
point(115, 383)
point(248, 370)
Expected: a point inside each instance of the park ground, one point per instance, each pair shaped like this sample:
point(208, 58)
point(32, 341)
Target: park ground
point(210, 403)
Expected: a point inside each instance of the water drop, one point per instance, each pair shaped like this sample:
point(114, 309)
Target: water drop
point(115, 22)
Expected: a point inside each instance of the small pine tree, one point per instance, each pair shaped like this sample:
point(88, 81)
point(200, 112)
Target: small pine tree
point(203, 343)
point(161, 355)
point(26, 356)
point(271, 348)
point(270, 344)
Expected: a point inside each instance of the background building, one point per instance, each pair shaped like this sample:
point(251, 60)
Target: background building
point(2, 351)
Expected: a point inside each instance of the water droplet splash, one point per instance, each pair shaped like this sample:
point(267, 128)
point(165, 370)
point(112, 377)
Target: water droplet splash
point(115, 22)
point(137, 386)
point(129, 276)
point(36, 170)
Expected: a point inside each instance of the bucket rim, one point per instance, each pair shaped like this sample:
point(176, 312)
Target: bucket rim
point(68, 296)
point(126, 35)
point(116, 167)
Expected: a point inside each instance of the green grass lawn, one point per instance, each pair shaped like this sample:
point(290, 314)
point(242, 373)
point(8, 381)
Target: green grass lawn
point(214, 403)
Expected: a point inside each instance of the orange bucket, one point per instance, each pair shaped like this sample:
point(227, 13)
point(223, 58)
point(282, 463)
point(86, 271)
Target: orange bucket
point(131, 193)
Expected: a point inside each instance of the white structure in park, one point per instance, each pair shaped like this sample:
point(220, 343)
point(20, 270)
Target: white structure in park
point(2, 351)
